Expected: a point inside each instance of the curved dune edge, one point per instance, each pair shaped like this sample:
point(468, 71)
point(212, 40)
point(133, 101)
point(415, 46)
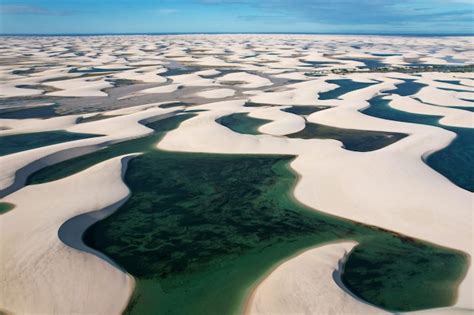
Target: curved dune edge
point(38, 272)
point(281, 123)
point(360, 177)
point(357, 177)
point(71, 232)
point(18, 166)
point(308, 284)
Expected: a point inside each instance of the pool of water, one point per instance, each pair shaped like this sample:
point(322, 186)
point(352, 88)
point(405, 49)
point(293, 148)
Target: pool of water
point(352, 139)
point(29, 112)
point(455, 161)
point(369, 62)
point(345, 86)
point(97, 70)
point(455, 82)
point(204, 228)
point(407, 87)
point(5, 207)
point(22, 142)
point(242, 123)
point(305, 110)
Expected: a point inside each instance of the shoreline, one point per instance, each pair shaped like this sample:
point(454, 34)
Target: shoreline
point(71, 232)
point(383, 190)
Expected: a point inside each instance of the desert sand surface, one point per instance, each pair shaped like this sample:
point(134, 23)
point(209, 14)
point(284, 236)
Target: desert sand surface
point(112, 86)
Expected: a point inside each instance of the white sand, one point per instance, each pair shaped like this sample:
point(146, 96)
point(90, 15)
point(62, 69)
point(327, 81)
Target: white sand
point(17, 166)
point(297, 286)
point(359, 177)
point(218, 93)
point(282, 123)
point(386, 188)
point(80, 87)
point(250, 81)
point(41, 275)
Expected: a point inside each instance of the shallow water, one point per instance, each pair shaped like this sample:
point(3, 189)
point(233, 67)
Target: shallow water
point(75, 165)
point(5, 207)
point(455, 161)
point(204, 228)
point(31, 112)
point(22, 142)
point(345, 86)
point(369, 62)
point(352, 139)
point(242, 123)
point(304, 110)
point(407, 87)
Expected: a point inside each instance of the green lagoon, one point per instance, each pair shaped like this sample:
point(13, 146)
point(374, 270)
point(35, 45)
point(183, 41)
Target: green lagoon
point(200, 230)
point(22, 142)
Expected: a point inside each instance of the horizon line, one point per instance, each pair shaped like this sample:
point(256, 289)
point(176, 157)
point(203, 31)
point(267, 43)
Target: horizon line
point(241, 33)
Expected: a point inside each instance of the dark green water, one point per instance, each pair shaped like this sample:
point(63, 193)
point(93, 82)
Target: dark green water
point(75, 165)
point(304, 110)
point(5, 207)
point(203, 228)
point(242, 123)
point(22, 142)
point(345, 86)
point(32, 112)
point(455, 161)
point(354, 140)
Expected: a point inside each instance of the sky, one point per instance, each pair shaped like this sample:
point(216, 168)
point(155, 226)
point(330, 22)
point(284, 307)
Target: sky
point(237, 16)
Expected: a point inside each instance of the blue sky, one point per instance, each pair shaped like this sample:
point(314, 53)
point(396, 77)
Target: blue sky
point(283, 16)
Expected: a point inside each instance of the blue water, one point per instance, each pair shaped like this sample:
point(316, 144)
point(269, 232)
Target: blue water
point(385, 55)
point(96, 70)
point(455, 161)
point(29, 112)
point(345, 86)
point(471, 109)
point(453, 60)
point(408, 87)
point(369, 62)
point(455, 82)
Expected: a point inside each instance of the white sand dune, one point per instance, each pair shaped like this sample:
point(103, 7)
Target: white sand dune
point(80, 87)
point(41, 275)
point(303, 93)
point(169, 88)
point(217, 93)
point(439, 97)
point(18, 166)
point(387, 188)
point(282, 123)
point(298, 287)
point(449, 116)
point(19, 126)
point(346, 173)
point(249, 81)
